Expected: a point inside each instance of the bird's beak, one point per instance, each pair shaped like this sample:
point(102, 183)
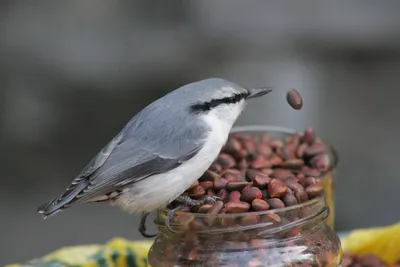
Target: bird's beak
point(256, 92)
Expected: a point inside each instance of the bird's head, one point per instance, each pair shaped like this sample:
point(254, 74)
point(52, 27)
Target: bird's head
point(221, 98)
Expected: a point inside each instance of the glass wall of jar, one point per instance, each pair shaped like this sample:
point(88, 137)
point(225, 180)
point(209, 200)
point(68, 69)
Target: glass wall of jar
point(292, 236)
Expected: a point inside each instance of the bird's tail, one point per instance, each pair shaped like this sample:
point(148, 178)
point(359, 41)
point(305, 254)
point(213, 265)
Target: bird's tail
point(61, 202)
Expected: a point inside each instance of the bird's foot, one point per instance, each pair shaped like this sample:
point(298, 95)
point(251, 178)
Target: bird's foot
point(171, 215)
point(186, 201)
point(142, 225)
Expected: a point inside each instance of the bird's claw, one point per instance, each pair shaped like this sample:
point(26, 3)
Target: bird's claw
point(209, 199)
point(142, 226)
point(170, 215)
point(186, 201)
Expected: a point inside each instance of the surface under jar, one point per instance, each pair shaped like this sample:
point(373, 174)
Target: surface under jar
point(327, 178)
point(293, 236)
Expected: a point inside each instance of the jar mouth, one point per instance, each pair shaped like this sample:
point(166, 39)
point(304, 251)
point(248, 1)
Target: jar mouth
point(312, 202)
point(280, 130)
point(271, 221)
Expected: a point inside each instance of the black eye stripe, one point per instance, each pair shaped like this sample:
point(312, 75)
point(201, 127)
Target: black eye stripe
point(206, 106)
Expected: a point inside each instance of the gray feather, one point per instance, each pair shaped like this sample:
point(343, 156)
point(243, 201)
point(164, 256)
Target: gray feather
point(149, 144)
point(100, 158)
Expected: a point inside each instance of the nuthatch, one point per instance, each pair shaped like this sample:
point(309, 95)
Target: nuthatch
point(161, 151)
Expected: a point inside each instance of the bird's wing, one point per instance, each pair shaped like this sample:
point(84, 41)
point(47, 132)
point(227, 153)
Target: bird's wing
point(136, 153)
point(132, 169)
point(101, 157)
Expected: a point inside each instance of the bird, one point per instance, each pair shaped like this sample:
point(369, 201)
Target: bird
point(161, 151)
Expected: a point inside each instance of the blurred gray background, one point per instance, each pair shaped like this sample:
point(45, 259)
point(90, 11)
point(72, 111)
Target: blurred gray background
point(72, 73)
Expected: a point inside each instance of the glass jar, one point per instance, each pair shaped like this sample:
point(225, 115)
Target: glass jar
point(327, 178)
point(292, 236)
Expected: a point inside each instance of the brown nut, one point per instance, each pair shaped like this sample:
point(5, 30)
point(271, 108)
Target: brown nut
point(237, 207)
point(251, 174)
point(183, 218)
point(270, 217)
point(250, 194)
point(294, 185)
point(314, 149)
point(265, 139)
point(292, 164)
point(220, 183)
point(276, 160)
point(213, 211)
point(232, 171)
point(275, 203)
point(286, 152)
point(282, 174)
point(209, 176)
point(301, 149)
point(293, 139)
point(308, 181)
point(211, 192)
point(314, 190)
point(207, 184)
point(261, 181)
point(294, 99)
point(195, 183)
point(276, 188)
point(321, 162)
point(236, 185)
point(196, 191)
point(307, 171)
point(241, 154)
point(308, 136)
point(215, 167)
point(265, 150)
point(234, 196)
point(230, 177)
point(250, 147)
point(267, 171)
point(242, 164)
point(260, 162)
point(289, 199)
point(265, 194)
point(216, 207)
point(247, 187)
point(259, 205)
point(250, 219)
point(300, 176)
point(276, 143)
point(226, 161)
point(204, 208)
point(223, 194)
point(232, 146)
point(301, 196)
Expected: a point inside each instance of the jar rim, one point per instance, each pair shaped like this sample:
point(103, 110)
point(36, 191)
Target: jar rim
point(318, 200)
point(273, 225)
point(285, 130)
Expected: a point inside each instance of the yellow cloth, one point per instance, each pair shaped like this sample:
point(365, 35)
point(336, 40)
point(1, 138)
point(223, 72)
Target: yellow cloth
point(117, 252)
point(382, 241)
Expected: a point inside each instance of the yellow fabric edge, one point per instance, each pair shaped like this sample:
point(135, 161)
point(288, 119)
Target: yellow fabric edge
point(83, 255)
point(382, 241)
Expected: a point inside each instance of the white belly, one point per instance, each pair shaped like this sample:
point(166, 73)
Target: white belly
point(159, 190)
